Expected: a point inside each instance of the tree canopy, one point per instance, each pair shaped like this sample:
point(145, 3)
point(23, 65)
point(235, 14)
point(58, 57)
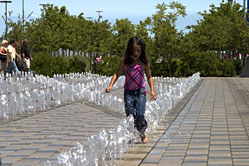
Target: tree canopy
point(221, 29)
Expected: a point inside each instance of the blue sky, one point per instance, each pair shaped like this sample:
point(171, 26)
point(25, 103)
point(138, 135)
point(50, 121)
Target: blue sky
point(134, 10)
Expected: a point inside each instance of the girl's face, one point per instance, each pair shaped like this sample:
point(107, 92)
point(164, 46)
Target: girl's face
point(136, 52)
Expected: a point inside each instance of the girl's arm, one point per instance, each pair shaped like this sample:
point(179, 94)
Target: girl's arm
point(151, 82)
point(115, 76)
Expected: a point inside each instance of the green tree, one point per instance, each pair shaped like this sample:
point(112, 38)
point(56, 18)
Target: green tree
point(99, 36)
point(76, 64)
point(123, 31)
point(16, 29)
point(43, 64)
point(109, 65)
point(163, 28)
point(142, 30)
point(221, 29)
point(206, 63)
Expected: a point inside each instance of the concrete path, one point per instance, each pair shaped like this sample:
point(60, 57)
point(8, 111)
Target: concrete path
point(40, 137)
point(210, 126)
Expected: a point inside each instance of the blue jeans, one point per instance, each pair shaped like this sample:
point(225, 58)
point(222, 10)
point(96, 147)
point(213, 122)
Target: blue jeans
point(135, 104)
point(12, 66)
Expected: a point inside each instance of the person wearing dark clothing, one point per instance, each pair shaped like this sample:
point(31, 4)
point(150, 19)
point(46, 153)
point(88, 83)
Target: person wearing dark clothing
point(26, 57)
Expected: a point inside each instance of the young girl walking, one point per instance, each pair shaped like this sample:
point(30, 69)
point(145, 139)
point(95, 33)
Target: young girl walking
point(135, 64)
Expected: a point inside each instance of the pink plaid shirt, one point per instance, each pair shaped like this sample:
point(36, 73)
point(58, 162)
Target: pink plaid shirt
point(134, 77)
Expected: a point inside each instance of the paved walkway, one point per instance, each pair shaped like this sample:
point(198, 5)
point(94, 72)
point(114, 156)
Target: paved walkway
point(40, 137)
point(210, 126)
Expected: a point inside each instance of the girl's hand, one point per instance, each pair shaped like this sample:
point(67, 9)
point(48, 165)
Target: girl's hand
point(152, 95)
point(108, 89)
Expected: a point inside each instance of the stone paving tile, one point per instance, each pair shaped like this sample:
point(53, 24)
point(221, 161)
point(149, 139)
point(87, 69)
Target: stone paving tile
point(219, 160)
point(170, 161)
point(152, 159)
point(193, 164)
point(25, 152)
point(26, 163)
point(221, 153)
point(148, 164)
point(12, 158)
point(133, 162)
point(175, 153)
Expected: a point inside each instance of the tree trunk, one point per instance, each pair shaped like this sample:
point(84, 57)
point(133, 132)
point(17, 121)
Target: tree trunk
point(219, 54)
point(170, 64)
point(165, 61)
point(90, 60)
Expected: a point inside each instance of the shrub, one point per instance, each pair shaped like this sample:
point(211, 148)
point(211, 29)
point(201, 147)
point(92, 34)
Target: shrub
point(108, 65)
point(76, 65)
point(60, 65)
point(158, 69)
point(227, 68)
point(238, 66)
point(44, 64)
point(207, 64)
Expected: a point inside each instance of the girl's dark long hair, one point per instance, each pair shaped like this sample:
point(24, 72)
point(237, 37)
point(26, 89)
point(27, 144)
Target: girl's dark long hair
point(129, 50)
